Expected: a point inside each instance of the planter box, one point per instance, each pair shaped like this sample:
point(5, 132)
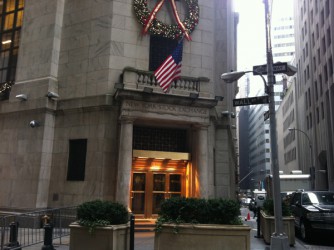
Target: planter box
point(203, 236)
point(113, 237)
point(267, 224)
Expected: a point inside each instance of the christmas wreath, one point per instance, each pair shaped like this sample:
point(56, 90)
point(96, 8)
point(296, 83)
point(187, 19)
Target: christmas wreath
point(155, 27)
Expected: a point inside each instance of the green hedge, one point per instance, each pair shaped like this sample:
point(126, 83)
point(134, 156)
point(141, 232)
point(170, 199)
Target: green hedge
point(268, 208)
point(194, 210)
point(101, 213)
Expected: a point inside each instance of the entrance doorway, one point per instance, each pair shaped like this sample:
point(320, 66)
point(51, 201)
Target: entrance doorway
point(149, 188)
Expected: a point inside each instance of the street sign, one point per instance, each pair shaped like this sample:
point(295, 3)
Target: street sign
point(277, 68)
point(251, 101)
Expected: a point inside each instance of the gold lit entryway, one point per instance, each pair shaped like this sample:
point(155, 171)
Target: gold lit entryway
point(153, 181)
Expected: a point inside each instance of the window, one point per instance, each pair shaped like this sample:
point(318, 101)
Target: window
point(318, 118)
point(11, 15)
point(314, 64)
point(160, 139)
point(320, 84)
point(326, 73)
point(329, 40)
point(330, 66)
point(304, 7)
point(316, 90)
point(307, 122)
point(322, 18)
point(77, 160)
point(323, 45)
point(304, 54)
point(306, 48)
point(308, 72)
point(160, 49)
point(310, 120)
point(311, 16)
point(309, 97)
point(317, 31)
point(318, 53)
point(322, 111)
point(313, 39)
point(327, 8)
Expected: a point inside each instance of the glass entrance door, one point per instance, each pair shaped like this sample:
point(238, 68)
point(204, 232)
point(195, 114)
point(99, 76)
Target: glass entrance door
point(150, 189)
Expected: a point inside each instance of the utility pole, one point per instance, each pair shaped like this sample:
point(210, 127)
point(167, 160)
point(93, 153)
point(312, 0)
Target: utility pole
point(279, 240)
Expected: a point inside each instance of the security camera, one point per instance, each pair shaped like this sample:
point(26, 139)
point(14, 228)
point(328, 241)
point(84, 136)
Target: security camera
point(34, 124)
point(232, 115)
point(52, 95)
point(22, 97)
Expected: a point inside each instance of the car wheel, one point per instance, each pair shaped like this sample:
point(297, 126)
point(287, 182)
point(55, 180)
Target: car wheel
point(304, 231)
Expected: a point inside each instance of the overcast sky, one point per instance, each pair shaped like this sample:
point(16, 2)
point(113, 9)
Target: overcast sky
point(252, 36)
point(251, 33)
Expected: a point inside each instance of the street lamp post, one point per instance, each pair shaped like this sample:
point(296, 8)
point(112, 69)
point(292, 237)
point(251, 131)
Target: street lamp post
point(312, 169)
point(279, 240)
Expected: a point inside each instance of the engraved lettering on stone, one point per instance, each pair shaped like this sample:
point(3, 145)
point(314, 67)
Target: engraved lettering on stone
point(155, 107)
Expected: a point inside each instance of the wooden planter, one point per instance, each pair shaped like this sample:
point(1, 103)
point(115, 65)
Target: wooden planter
point(203, 236)
point(267, 224)
point(113, 237)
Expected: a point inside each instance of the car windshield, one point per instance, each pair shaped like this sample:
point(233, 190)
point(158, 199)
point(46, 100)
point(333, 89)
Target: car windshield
point(324, 198)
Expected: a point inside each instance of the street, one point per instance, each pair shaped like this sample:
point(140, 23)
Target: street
point(323, 241)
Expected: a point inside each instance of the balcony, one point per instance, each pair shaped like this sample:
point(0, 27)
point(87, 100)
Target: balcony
point(134, 79)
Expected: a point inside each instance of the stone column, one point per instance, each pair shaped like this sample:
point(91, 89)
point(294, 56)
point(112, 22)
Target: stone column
point(202, 164)
point(124, 162)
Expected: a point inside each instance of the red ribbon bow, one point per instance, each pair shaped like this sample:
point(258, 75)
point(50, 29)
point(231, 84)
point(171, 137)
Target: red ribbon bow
point(156, 10)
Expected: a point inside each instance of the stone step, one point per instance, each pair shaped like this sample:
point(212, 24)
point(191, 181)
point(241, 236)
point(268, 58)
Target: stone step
point(144, 225)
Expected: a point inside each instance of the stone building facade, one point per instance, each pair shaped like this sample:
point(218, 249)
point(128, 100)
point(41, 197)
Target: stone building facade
point(104, 129)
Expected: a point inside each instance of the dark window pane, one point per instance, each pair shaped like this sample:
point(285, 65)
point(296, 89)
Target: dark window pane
point(157, 200)
point(160, 49)
point(160, 139)
point(159, 182)
point(138, 182)
point(175, 183)
point(138, 203)
point(77, 160)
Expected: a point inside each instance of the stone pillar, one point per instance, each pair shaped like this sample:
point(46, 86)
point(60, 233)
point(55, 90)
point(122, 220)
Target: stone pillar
point(124, 162)
point(202, 164)
point(44, 177)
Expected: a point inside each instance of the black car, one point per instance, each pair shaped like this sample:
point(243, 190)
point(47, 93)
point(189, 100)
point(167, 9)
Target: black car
point(313, 211)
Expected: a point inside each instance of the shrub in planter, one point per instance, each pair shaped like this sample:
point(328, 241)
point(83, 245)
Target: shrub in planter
point(97, 213)
point(198, 211)
point(268, 221)
point(268, 208)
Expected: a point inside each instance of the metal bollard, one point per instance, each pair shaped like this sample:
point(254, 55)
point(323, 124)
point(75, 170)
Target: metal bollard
point(132, 232)
point(48, 231)
point(13, 243)
point(258, 222)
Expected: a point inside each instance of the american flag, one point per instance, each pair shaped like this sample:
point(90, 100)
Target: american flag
point(170, 69)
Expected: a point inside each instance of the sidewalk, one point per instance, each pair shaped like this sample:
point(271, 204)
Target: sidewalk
point(145, 241)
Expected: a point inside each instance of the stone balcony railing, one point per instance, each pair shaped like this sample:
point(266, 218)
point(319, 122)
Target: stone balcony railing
point(139, 79)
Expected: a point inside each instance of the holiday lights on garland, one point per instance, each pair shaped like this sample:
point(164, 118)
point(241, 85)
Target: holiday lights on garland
point(174, 31)
point(6, 86)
